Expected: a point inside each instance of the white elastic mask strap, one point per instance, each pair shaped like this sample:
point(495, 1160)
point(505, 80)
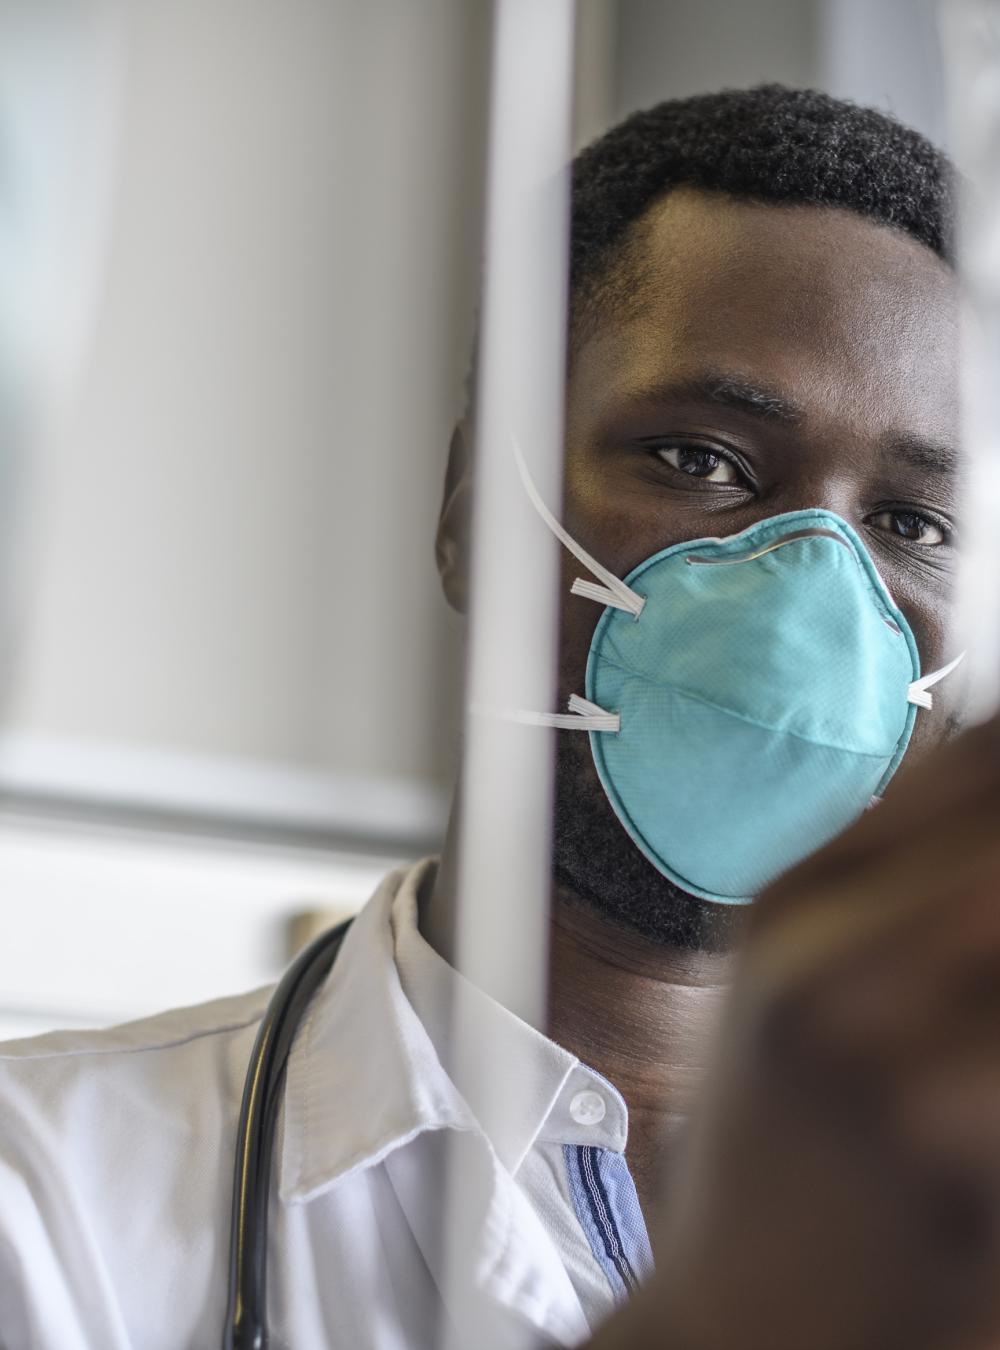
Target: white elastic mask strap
point(582, 716)
point(917, 691)
point(612, 590)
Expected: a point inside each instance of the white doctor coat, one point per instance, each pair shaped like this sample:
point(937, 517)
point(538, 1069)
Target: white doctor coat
point(116, 1163)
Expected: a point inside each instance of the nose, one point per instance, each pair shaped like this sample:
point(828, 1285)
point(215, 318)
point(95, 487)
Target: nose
point(825, 482)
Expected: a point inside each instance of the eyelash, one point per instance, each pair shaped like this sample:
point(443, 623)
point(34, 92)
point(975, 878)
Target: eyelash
point(947, 531)
point(716, 451)
point(887, 509)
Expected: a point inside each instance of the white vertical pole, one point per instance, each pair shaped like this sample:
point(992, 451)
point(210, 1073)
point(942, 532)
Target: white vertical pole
point(971, 44)
point(505, 845)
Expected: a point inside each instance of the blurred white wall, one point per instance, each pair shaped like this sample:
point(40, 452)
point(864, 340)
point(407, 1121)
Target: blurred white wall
point(672, 48)
point(233, 547)
point(103, 925)
point(886, 53)
point(880, 52)
point(230, 622)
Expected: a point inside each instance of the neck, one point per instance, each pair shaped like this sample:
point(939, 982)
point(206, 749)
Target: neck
point(642, 1015)
point(639, 1013)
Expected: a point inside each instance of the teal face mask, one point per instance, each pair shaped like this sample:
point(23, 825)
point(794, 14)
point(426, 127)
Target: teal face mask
point(746, 698)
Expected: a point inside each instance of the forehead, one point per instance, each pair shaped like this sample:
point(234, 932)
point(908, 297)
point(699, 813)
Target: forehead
point(858, 321)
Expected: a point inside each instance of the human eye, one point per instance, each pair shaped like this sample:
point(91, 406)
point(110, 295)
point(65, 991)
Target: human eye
point(913, 527)
point(707, 463)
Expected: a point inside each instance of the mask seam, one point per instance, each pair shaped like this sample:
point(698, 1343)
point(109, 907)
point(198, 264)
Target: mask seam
point(743, 717)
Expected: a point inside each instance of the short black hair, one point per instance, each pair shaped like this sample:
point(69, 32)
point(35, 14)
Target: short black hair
point(767, 144)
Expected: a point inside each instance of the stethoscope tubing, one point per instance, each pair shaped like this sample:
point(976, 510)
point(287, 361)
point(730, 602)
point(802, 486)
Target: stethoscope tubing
point(246, 1309)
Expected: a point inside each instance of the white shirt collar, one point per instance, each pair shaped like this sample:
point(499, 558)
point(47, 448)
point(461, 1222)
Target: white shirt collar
point(371, 1065)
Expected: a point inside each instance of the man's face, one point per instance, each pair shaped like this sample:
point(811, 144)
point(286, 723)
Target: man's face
point(777, 358)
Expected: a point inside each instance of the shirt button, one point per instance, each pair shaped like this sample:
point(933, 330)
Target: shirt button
point(587, 1108)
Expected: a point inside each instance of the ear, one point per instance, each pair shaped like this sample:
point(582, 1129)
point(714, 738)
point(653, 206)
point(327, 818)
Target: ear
point(452, 545)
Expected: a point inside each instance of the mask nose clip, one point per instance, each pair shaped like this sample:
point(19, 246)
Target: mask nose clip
point(793, 536)
point(816, 532)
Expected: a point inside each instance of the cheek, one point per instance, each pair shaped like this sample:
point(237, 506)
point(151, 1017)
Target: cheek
point(929, 611)
point(614, 506)
point(929, 731)
point(935, 725)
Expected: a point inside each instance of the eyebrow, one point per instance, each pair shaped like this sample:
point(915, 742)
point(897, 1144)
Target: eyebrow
point(729, 391)
point(935, 457)
point(725, 390)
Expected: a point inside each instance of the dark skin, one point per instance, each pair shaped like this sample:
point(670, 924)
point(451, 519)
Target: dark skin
point(777, 358)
